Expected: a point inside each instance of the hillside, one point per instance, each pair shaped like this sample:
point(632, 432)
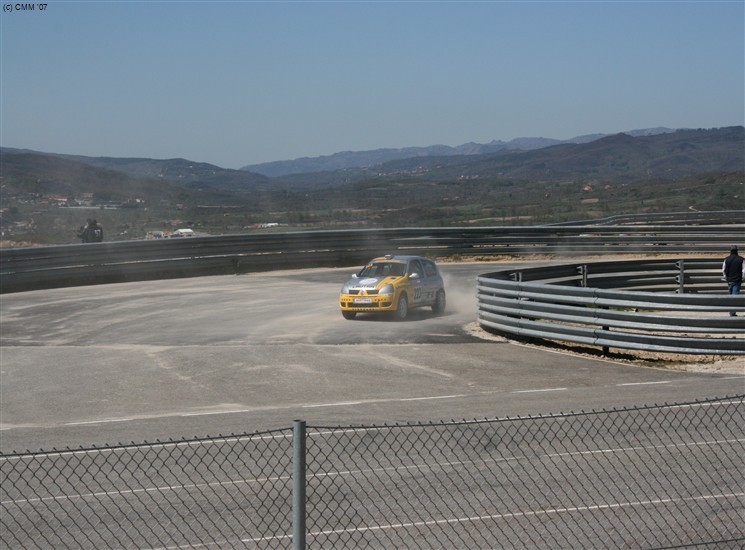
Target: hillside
point(42, 174)
point(45, 196)
point(182, 172)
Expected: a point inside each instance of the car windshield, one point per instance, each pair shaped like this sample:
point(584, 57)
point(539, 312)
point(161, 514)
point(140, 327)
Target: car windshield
point(383, 269)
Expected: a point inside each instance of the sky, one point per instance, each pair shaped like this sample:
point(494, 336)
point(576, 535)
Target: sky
point(235, 83)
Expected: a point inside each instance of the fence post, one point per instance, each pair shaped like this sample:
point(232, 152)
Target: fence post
point(298, 485)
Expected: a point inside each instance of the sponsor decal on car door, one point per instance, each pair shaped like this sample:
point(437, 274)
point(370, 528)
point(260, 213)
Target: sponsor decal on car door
point(417, 283)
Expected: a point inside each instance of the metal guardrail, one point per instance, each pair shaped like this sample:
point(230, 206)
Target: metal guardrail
point(667, 218)
point(663, 476)
point(110, 262)
point(670, 306)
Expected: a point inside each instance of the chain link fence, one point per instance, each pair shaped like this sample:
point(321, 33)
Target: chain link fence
point(668, 476)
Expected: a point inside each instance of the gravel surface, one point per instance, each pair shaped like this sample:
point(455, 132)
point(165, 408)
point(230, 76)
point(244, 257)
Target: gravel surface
point(717, 364)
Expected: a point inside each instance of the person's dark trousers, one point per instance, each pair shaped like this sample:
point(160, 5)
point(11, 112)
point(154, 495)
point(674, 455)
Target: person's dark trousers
point(734, 289)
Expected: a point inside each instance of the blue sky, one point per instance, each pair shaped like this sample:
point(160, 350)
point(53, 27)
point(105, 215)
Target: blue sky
point(237, 83)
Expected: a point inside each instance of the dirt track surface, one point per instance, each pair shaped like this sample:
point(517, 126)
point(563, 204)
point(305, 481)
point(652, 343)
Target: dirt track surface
point(233, 354)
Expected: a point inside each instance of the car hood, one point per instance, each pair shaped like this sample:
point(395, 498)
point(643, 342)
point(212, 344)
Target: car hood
point(370, 283)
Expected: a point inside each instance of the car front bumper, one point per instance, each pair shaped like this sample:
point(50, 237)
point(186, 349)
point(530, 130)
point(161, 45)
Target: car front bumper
point(380, 302)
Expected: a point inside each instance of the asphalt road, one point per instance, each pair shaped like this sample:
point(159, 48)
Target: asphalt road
point(218, 355)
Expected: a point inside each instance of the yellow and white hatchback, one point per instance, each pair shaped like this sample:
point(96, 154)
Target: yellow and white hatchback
point(394, 284)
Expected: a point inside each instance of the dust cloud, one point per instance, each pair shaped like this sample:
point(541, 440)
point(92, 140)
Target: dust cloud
point(461, 294)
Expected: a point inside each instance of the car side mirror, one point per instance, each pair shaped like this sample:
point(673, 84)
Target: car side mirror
point(414, 276)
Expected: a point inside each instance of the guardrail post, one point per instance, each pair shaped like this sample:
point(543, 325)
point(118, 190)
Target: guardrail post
point(583, 274)
point(681, 276)
point(606, 349)
point(298, 485)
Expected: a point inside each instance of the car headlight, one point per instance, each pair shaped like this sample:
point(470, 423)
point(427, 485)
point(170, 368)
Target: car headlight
point(345, 288)
point(386, 289)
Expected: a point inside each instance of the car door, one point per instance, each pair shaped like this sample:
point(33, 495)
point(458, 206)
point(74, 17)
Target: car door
point(416, 278)
point(431, 282)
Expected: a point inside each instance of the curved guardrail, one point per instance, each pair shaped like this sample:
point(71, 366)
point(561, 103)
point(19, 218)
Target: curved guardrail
point(110, 262)
point(670, 306)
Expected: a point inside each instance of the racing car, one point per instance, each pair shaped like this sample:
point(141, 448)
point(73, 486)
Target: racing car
point(394, 284)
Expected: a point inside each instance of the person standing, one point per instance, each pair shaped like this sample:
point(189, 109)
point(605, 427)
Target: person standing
point(93, 232)
point(83, 231)
point(733, 270)
point(96, 232)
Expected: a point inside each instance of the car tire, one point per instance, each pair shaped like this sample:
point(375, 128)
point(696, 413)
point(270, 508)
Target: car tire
point(402, 308)
point(438, 308)
point(349, 315)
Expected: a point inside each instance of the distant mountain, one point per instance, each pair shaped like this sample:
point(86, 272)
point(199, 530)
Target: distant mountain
point(619, 158)
point(360, 159)
point(655, 153)
point(184, 173)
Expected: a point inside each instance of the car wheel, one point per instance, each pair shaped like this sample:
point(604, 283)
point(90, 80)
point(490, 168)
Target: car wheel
point(438, 308)
point(349, 315)
point(402, 309)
